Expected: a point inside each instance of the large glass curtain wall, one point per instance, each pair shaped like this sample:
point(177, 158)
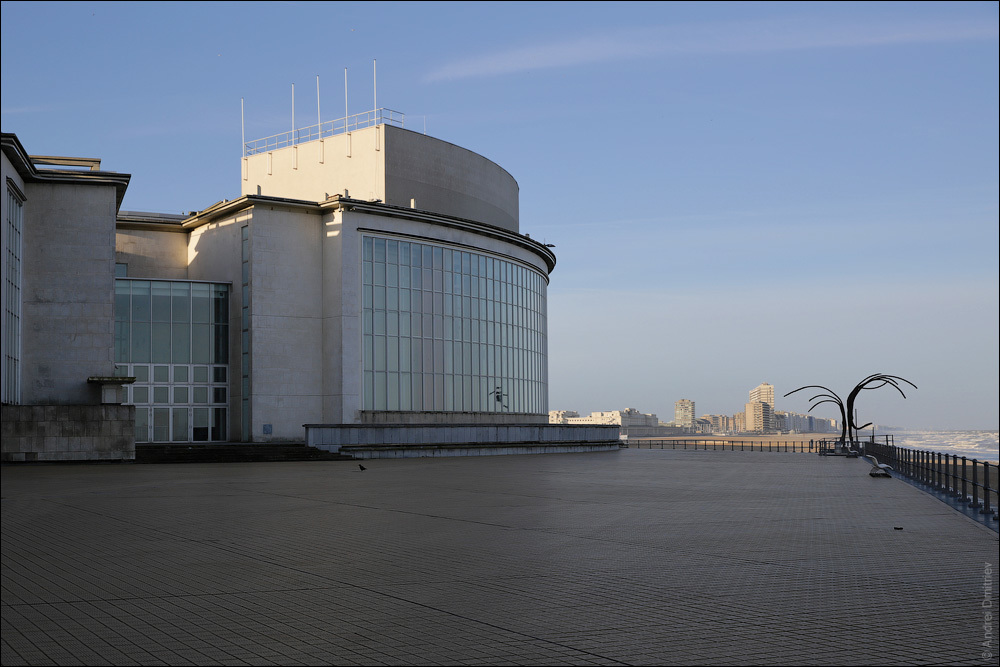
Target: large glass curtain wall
point(10, 358)
point(173, 337)
point(445, 329)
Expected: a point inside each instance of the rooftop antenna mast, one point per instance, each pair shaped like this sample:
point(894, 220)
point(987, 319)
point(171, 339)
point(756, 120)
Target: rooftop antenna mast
point(293, 114)
point(375, 89)
point(243, 129)
point(345, 101)
point(319, 117)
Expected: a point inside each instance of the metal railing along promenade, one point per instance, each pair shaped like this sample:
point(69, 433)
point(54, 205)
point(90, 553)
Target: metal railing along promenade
point(970, 482)
point(327, 128)
point(802, 446)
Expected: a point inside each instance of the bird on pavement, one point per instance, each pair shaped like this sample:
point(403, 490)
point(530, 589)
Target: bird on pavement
point(362, 467)
point(878, 469)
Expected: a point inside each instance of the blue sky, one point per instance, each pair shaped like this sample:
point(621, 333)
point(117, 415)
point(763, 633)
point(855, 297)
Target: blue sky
point(793, 193)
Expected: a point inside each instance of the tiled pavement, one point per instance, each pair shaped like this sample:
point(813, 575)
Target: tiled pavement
point(631, 557)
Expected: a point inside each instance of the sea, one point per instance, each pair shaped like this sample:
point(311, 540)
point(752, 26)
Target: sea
point(980, 445)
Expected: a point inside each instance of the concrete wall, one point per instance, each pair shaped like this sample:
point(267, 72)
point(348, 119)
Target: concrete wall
point(392, 165)
point(286, 321)
point(341, 309)
point(67, 292)
point(215, 255)
point(67, 433)
point(448, 179)
point(318, 169)
point(153, 255)
point(413, 417)
point(332, 437)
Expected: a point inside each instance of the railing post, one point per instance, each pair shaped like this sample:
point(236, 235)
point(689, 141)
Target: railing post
point(986, 489)
point(975, 485)
point(965, 494)
point(953, 471)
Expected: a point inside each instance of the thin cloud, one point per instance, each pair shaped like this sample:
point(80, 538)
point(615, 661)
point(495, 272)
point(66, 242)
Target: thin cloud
point(717, 38)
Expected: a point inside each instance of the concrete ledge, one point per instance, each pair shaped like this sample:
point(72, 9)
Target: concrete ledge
point(35, 433)
point(406, 440)
point(471, 449)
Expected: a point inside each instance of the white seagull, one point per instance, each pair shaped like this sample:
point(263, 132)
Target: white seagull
point(878, 469)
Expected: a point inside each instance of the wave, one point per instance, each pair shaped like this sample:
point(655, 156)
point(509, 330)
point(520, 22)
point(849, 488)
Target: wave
point(981, 445)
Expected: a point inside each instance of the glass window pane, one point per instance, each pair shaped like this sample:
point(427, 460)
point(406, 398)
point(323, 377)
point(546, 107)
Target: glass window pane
point(180, 295)
point(140, 301)
point(201, 344)
point(180, 424)
point(199, 395)
point(219, 374)
point(392, 391)
point(142, 425)
point(220, 419)
point(122, 346)
point(180, 395)
point(161, 301)
point(161, 373)
point(139, 395)
point(161, 395)
point(199, 431)
point(140, 342)
point(219, 395)
point(160, 350)
point(200, 373)
point(181, 373)
point(123, 300)
point(220, 303)
point(380, 395)
point(201, 303)
point(181, 353)
point(220, 349)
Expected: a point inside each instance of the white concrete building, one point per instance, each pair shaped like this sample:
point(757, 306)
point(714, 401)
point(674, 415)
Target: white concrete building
point(626, 418)
point(373, 277)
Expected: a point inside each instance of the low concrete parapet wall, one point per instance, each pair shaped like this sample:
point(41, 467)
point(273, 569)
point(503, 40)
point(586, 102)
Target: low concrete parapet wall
point(410, 440)
point(67, 433)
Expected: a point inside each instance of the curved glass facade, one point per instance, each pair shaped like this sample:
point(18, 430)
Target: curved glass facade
point(448, 330)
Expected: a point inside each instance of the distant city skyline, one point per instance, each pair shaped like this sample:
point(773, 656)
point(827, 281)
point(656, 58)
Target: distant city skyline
point(802, 192)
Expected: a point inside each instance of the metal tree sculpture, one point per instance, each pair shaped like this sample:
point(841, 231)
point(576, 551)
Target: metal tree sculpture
point(849, 429)
point(871, 382)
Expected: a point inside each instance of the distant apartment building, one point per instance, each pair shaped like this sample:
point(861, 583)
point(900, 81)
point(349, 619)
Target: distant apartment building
point(626, 418)
point(719, 423)
point(823, 425)
point(562, 416)
point(793, 422)
point(763, 393)
point(759, 417)
point(739, 422)
point(684, 414)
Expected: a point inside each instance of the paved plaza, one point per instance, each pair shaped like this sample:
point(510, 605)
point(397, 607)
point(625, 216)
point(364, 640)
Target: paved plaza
point(634, 557)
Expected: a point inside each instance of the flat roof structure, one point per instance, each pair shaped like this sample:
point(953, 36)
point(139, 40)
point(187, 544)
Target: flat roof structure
point(636, 557)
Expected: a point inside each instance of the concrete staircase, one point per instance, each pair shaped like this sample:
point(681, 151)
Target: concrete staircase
point(230, 453)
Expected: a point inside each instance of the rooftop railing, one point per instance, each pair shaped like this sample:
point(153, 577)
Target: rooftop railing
point(329, 128)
